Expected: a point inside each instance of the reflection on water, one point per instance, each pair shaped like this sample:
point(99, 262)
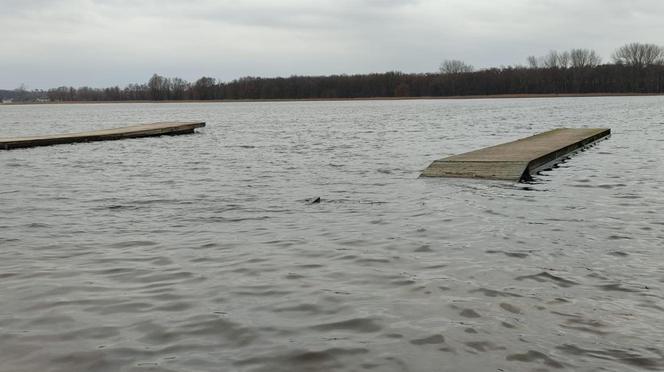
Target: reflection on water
point(204, 252)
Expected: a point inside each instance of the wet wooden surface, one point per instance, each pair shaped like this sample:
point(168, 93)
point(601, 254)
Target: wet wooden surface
point(517, 160)
point(136, 131)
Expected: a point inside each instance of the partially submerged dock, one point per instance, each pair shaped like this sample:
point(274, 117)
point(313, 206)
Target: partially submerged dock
point(517, 160)
point(136, 131)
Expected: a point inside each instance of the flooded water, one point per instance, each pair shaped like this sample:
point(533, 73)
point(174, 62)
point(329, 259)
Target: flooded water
point(201, 253)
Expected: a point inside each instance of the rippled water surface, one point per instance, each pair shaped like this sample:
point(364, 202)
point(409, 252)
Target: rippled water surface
point(200, 252)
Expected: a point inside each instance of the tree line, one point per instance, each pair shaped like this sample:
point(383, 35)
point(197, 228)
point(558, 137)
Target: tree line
point(22, 94)
point(634, 68)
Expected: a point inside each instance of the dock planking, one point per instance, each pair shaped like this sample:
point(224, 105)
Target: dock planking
point(136, 131)
point(517, 160)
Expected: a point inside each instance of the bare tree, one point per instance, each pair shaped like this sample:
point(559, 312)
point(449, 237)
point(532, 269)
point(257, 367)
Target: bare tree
point(563, 60)
point(581, 58)
point(556, 60)
point(21, 93)
point(455, 66)
point(572, 58)
point(159, 87)
point(178, 88)
point(534, 62)
point(639, 55)
point(204, 88)
point(550, 60)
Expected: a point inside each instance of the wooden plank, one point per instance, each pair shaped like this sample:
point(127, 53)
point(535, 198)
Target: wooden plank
point(136, 131)
point(517, 160)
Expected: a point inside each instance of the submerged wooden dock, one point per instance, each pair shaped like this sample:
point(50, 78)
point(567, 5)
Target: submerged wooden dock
point(517, 160)
point(136, 131)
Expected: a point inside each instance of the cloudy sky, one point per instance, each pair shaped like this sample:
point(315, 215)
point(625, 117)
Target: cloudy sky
point(48, 43)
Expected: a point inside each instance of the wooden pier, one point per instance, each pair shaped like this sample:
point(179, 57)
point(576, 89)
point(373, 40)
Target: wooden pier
point(136, 131)
point(518, 160)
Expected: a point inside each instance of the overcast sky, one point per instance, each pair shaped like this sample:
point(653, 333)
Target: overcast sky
point(48, 43)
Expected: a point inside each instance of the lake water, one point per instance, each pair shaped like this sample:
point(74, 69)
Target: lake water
point(200, 252)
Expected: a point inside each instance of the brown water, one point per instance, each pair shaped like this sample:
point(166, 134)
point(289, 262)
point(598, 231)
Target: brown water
point(200, 253)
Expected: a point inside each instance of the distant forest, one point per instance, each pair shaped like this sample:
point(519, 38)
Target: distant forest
point(634, 68)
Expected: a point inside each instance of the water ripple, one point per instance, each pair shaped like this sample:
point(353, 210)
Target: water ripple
point(201, 252)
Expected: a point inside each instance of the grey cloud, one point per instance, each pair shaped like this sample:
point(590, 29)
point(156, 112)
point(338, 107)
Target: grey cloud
point(103, 42)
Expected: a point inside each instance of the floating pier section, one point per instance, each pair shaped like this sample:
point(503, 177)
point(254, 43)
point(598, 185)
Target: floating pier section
point(136, 131)
point(517, 160)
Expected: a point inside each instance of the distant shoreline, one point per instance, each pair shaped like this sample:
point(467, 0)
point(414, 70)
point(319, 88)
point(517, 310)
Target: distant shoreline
point(469, 97)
